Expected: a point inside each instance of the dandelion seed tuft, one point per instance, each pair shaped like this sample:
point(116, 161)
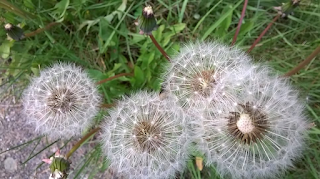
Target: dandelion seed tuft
point(61, 102)
point(146, 137)
point(260, 136)
point(205, 71)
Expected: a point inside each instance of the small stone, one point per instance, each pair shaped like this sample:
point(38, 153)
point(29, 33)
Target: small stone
point(10, 165)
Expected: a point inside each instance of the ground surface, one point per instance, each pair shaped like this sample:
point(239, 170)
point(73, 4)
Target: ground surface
point(14, 131)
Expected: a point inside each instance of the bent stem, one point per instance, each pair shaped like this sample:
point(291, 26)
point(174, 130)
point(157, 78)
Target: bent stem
point(263, 32)
point(78, 144)
point(303, 63)
point(159, 47)
point(113, 77)
point(240, 22)
point(38, 31)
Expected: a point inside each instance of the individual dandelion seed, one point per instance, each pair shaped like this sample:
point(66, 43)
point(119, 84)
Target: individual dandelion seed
point(260, 133)
point(61, 102)
point(205, 71)
point(146, 137)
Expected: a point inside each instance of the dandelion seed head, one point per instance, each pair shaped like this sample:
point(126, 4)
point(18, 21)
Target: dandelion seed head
point(203, 70)
point(157, 135)
point(61, 102)
point(262, 135)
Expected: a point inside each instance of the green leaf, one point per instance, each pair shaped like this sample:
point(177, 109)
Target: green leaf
point(29, 4)
point(60, 9)
point(96, 74)
point(158, 33)
point(245, 27)
point(167, 37)
point(178, 27)
point(5, 48)
point(104, 30)
point(139, 76)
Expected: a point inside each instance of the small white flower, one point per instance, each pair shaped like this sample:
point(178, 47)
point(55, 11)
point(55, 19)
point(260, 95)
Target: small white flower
point(261, 135)
point(146, 137)
point(61, 102)
point(206, 71)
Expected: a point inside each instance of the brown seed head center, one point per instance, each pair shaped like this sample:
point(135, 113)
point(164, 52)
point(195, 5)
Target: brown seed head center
point(148, 136)
point(249, 125)
point(61, 100)
point(203, 82)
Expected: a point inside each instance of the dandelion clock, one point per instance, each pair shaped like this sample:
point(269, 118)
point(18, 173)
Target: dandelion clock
point(146, 137)
point(259, 133)
point(61, 102)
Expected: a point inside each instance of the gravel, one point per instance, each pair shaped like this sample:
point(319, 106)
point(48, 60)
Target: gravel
point(14, 132)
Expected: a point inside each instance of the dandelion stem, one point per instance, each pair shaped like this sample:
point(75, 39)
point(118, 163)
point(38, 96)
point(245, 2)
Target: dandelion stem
point(38, 31)
point(108, 105)
point(303, 63)
point(240, 22)
point(263, 32)
point(78, 144)
point(159, 47)
point(113, 77)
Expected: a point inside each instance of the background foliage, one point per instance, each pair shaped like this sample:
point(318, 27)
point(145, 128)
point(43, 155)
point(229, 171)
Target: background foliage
point(101, 37)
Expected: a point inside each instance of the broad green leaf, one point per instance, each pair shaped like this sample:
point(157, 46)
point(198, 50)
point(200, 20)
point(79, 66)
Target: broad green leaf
point(178, 27)
point(60, 9)
point(245, 27)
point(104, 29)
point(158, 33)
point(29, 4)
point(5, 48)
point(167, 37)
point(96, 74)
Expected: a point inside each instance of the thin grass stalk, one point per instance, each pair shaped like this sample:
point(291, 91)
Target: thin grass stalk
point(240, 22)
point(303, 63)
point(263, 32)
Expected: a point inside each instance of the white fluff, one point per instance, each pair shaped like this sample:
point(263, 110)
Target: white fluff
point(226, 66)
point(283, 141)
point(71, 88)
point(158, 150)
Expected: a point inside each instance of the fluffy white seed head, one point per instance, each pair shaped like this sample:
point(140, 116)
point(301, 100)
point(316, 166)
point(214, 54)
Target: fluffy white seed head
point(205, 71)
point(146, 137)
point(260, 133)
point(61, 102)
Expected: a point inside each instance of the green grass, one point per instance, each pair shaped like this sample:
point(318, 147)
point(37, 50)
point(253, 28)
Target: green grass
point(108, 43)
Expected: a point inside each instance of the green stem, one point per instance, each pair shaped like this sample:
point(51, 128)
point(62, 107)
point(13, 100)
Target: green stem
point(303, 63)
point(78, 144)
point(159, 47)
